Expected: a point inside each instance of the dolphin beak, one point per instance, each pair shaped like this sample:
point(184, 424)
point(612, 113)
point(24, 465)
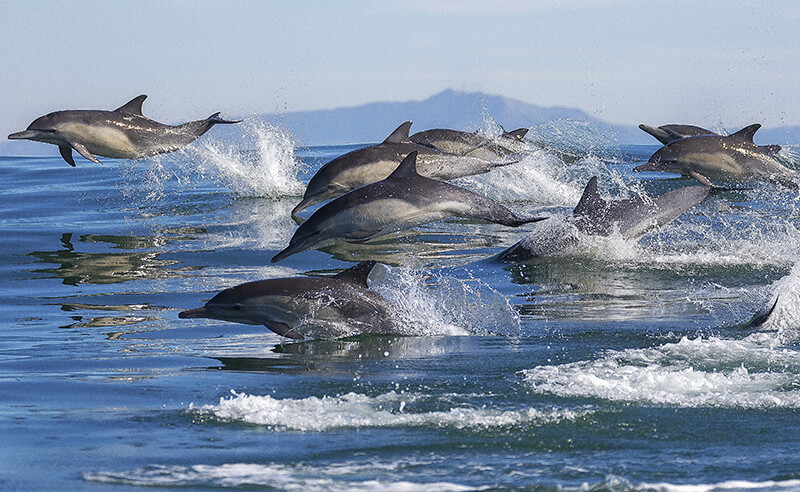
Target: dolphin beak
point(26, 134)
point(200, 312)
point(288, 251)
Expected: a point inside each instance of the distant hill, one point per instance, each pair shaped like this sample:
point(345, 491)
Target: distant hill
point(467, 111)
point(448, 109)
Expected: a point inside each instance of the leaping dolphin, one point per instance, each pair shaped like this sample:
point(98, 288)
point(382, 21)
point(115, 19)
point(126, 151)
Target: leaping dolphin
point(296, 307)
point(120, 134)
point(370, 164)
point(401, 201)
point(669, 133)
point(631, 218)
point(732, 158)
point(473, 144)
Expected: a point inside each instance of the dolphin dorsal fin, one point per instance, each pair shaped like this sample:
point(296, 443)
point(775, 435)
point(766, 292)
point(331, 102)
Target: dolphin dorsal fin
point(407, 168)
point(134, 106)
point(400, 134)
point(357, 274)
point(590, 200)
point(518, 134)
point(747, 132)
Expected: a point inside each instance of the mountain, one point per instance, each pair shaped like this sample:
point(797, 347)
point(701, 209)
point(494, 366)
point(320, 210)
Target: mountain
point(448, 109)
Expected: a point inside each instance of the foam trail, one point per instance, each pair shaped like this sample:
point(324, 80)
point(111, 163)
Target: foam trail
point(698, 372)
point(353, 410)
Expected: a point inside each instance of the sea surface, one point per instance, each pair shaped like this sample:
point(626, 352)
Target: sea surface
point(614, 365)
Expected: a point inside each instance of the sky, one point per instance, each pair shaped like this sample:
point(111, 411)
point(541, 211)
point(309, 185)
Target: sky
point(708, 63)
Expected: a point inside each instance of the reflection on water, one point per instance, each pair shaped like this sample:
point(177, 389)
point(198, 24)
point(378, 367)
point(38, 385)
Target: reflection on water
point(316, 355)
point(77, 267)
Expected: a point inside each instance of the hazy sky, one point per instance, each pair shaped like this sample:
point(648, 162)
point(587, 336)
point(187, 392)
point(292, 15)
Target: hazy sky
point(729, 62)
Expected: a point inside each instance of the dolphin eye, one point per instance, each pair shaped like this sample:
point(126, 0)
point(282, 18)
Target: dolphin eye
point(237, 307)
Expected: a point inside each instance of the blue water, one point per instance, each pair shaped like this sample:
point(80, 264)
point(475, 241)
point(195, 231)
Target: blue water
point(615, 366)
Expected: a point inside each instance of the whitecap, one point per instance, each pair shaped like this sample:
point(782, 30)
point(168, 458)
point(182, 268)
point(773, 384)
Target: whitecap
point(354, 410)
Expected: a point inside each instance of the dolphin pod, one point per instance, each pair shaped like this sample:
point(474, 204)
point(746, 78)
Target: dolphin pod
point(374, 163)
point(403, 200)
point(631, 218)
point(473, 144)
point(297, 307)
point(124, 133)
point(396, 185)
point(733, 158)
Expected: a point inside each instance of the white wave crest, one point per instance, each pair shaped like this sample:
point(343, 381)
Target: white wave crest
point(354, 410)
point(295, 477)
point(691, 373)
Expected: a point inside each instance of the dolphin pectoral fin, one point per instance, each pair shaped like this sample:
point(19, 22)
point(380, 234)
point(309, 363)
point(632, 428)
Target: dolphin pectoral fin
point(283, 330)
point(701, 179)
point(66, 153)
point(359, 236)
point(82, 150)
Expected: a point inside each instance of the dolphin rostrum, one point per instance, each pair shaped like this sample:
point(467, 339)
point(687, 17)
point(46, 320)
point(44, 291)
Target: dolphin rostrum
point(296, 307)
point(473, 144)
point(631, 218)
point(374, 163)
point(120, 134)
point(732, 158)
point(669, 133)
point(401, 201)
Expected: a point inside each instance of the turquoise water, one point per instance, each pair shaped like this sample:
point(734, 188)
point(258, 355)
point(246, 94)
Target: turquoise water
point(616, 365)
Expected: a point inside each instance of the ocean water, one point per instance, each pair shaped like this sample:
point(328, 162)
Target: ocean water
point(615, 365)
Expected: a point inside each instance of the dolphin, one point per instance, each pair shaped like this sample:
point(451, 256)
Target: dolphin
point(669, 133)
point(401, 201)
point(631, 218)
point(296, 307)
point(120, 134)
point(374, 163)
point(732, 158)
point(473, 144)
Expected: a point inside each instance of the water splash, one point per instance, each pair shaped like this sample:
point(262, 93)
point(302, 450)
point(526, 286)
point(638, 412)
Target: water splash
point(785, 317)
point(443, 305)
point(268, 168)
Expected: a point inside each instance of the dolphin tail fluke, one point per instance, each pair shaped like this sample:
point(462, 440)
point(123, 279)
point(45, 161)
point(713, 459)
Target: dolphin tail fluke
point(199, 127)
point(658, 133)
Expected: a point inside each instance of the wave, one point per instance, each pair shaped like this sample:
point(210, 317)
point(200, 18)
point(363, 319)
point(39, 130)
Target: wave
point(295, 477)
